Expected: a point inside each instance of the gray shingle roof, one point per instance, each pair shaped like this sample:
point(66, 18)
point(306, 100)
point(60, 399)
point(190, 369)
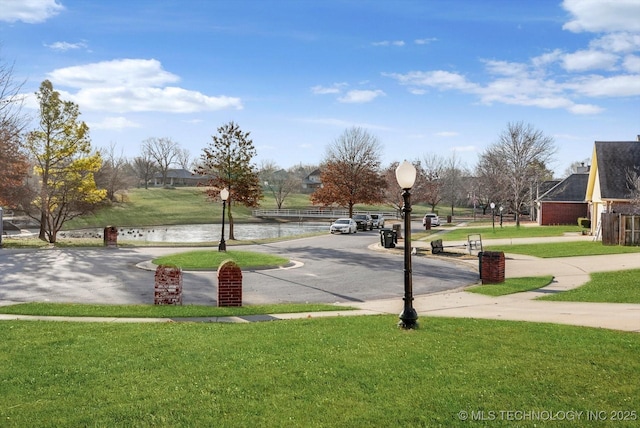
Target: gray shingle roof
point(615, 158)
point(571, 189)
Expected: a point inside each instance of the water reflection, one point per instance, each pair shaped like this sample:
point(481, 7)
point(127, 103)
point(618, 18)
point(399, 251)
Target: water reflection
point(207, 232)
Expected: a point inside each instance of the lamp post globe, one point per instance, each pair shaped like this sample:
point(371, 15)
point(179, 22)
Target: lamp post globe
point(406, 177)
point(493, 216)
point(224, 195)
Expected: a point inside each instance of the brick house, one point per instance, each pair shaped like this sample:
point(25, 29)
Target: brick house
point(565, 202)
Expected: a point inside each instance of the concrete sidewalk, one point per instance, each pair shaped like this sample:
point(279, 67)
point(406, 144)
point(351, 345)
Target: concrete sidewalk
point(568, 273)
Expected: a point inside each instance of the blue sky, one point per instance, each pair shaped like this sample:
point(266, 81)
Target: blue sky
point(424, 76)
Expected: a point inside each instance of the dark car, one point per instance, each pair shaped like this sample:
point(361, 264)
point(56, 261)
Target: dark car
point(363, 221)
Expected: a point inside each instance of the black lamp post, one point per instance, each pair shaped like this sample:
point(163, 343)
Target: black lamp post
point(224, 195)
point(493, 216)
point(501, 208)
point(406, 177)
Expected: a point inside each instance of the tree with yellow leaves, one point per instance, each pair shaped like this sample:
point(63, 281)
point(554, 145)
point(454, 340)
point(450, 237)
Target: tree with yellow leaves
point(64, 165)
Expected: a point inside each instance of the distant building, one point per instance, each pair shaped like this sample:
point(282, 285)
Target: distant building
point(312, 181)
point(564, 202)
point(181, 177)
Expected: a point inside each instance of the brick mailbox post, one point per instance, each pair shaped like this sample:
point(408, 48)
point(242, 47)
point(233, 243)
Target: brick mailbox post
point(110, 236)
point(229, 284)
point(492, 266)
point(168, 286)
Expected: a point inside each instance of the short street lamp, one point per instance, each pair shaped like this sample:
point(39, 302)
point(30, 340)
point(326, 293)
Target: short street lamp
point(224, 195)
point(406, 177)
point(501, 208)
point(493, 216)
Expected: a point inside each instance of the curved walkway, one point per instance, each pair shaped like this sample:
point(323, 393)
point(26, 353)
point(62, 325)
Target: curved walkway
point(568, 273)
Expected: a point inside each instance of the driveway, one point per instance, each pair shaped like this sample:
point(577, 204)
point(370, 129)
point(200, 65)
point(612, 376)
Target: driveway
point(330, 269)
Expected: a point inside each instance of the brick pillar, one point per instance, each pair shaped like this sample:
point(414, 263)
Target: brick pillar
point(229, 284)
point(110, 236)
point(492, 266)
point(168, 287)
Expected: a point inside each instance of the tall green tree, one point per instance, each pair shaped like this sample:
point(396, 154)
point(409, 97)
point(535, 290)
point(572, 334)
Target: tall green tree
point(228, 160)
point(64, 164)
point(351, 171)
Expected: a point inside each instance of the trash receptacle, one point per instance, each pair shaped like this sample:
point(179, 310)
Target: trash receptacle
point(427, 223)
point(388, 238)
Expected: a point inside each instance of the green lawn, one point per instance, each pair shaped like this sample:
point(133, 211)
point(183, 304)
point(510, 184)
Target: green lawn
point(610, 287)
point(512, 285)
point(159, 311)
point(211, 259)
point(564, 249)
point(461, 234)
point(337, 372)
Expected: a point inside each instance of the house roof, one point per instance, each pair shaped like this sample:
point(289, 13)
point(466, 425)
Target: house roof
point(179, 173)
point(571, 189)
point(614, 160)
point(545, 186)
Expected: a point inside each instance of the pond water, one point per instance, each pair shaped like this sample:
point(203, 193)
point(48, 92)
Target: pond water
point(206, 232)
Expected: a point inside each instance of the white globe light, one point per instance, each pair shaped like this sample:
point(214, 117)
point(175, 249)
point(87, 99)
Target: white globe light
point(406, 175)
point(224, 194)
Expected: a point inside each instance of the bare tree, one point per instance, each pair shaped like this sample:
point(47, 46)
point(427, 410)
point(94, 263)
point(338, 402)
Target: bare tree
point(279, 182)
point(164, 151)
point(144, 167)
point(351, 171)
point(13, 160)
point(433, 170)
point(112, 176)
point(521, 149)
point(184, 159)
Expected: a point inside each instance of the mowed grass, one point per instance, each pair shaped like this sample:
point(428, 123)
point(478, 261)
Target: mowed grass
point(564, 249)
point(607, 287)
point(211, 259)
point(338, 372)
point(462, 233)
point(512, 285)
point(160, 311)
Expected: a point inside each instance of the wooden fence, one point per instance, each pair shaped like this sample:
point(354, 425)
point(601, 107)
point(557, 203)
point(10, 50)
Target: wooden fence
point(620, 229)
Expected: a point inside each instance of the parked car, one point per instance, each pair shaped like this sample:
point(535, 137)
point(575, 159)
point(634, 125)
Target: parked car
point(435, 220)
point(363, 221)
point(378, 220)
point(344, 225)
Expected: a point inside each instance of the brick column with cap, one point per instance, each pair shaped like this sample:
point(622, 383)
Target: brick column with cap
point(168, 286)
point(229, 284)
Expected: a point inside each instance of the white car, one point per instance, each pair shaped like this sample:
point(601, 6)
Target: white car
point(435, 220)
point(344, 225)
point(378, 221)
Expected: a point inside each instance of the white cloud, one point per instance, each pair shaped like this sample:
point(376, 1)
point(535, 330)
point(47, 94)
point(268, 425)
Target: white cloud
point(389, 43)
point(437, 79)
point(425, 41)
point(134, 85)
point(632, 63)
point(29, 11)
point(361, 96)
point(624, 42)
point(336, 88)
point(114, 123)
point(119, 72)
point(614, 86)
point(589, 60)
point(65, 46)
point(603, 16)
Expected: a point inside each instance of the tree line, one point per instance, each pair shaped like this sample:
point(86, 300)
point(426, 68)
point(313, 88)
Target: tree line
point(52, 174)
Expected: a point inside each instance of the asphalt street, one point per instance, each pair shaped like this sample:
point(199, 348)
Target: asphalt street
point(328, 269)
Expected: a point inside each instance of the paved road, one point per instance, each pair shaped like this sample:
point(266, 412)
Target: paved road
point(335, 268)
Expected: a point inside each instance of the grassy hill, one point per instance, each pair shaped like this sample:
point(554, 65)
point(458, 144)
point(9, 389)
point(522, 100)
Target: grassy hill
point(189, 205)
